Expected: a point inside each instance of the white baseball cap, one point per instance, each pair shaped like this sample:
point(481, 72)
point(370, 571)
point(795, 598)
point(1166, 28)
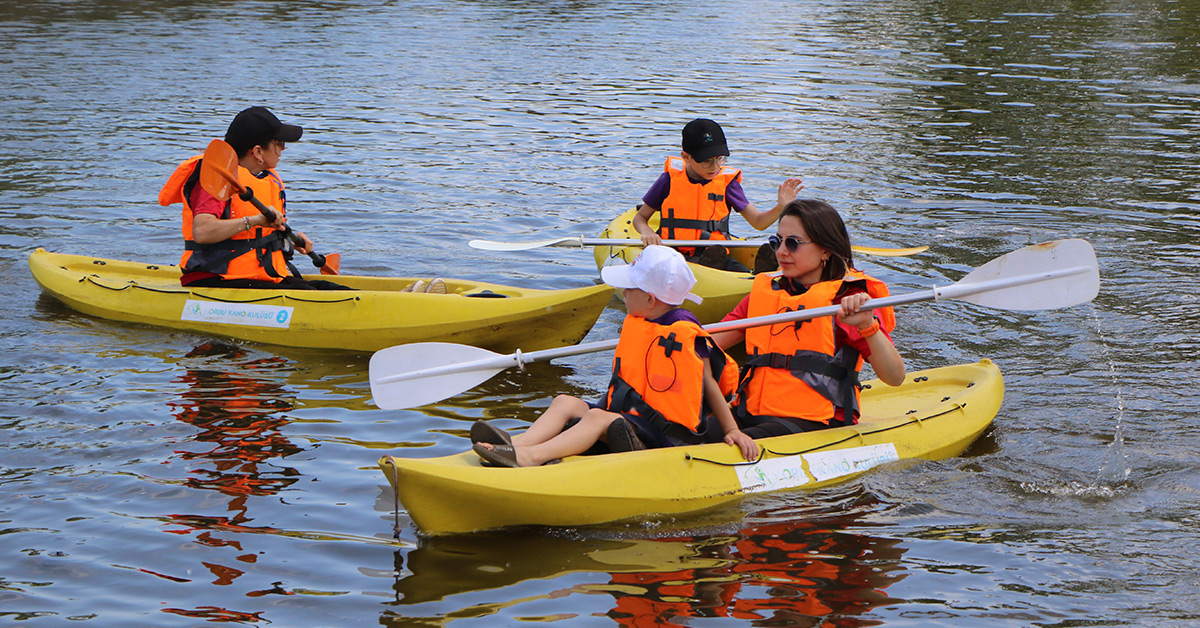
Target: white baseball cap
point(658, 270)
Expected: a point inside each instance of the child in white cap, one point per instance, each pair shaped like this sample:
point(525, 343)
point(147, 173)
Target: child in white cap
point(669, 385)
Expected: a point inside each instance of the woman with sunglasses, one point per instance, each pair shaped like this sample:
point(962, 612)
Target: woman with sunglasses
point(803, 376)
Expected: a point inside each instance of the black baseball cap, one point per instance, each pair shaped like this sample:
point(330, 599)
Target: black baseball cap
point(703, 139)
point(255, 126)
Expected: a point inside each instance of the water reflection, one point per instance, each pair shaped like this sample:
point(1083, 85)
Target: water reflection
point(218, 615)
point(796, 572)
point(239, 417)
point(973, 127)
point(777, 572)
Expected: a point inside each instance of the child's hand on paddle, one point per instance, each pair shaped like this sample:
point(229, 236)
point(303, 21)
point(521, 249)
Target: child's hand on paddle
point(650, 237)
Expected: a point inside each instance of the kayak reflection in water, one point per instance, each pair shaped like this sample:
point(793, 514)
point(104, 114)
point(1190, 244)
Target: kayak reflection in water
point(788, 573)
point(231, 243)
point(803, 376)
point(664, 390)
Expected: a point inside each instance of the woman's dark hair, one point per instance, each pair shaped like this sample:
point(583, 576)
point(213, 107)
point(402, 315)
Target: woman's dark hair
point(825, 228)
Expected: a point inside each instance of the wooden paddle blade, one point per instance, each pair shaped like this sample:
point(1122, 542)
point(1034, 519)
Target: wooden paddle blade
point(333, 263)
point(1061, 290)
point(218, 170)
point(421, 373)
point(886, 252)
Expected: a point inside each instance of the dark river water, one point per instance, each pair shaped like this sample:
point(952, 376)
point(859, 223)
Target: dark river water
point(151, 477)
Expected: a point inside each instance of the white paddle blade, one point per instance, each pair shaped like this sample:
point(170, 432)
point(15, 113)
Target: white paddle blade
point(491, 245)
point(1073, 277)
point(421, 373)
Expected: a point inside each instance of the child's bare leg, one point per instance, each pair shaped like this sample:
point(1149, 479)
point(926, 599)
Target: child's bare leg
point(553, 420)
point(576, 440)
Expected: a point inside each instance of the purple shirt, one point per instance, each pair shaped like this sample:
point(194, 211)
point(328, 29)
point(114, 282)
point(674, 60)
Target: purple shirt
point(735, 196)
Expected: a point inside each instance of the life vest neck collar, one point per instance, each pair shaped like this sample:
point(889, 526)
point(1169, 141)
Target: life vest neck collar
point(787, 284)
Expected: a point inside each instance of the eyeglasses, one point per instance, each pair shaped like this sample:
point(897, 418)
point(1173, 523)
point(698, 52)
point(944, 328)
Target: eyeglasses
point(714, 162)
point(792, 243)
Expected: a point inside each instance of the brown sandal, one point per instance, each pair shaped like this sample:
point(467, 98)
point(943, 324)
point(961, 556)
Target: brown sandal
point(484, 432)
point(498, 455)
point(622, 437)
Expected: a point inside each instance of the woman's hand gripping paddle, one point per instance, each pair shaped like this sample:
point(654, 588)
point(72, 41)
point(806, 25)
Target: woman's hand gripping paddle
point(218, 176)
point(1064, 272)
point(580, 242)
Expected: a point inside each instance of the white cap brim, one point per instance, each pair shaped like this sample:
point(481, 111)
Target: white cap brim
point(617, 276)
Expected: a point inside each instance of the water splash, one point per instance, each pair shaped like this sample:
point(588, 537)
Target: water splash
point(1073, 489)
point(1115, 468)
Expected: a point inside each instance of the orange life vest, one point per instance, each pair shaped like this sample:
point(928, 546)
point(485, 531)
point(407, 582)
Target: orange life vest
point(695, 211)
point(658, 375)
point(795, 369)
point(255, 254)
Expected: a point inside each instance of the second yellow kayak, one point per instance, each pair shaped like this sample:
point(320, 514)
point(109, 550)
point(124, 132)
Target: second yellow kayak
point(721, 290)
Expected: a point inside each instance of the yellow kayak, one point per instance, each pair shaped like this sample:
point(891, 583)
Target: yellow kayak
point(935, 414)
point(375, 316)
point(721, 290)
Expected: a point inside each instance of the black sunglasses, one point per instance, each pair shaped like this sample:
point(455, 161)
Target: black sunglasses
point(792, 243)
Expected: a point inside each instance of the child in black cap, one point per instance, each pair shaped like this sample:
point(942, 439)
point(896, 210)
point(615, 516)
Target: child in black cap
point(695, 194)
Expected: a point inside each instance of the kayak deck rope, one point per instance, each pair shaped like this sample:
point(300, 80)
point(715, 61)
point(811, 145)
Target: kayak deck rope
point(764, 450)
point(92, 280)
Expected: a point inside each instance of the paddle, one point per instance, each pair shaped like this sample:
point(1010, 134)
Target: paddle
point(411, 375)
point(580, 241)
point(217, 178)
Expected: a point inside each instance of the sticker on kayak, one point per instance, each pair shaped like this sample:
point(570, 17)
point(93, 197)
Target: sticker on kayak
point(237, 314)
point(788, 472)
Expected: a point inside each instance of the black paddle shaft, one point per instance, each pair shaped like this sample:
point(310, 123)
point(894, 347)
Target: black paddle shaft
point(248, 195)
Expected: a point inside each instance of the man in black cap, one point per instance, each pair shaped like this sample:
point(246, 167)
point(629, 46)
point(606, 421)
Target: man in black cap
point(257, 126)
point(695, 194)
point(231, 244)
